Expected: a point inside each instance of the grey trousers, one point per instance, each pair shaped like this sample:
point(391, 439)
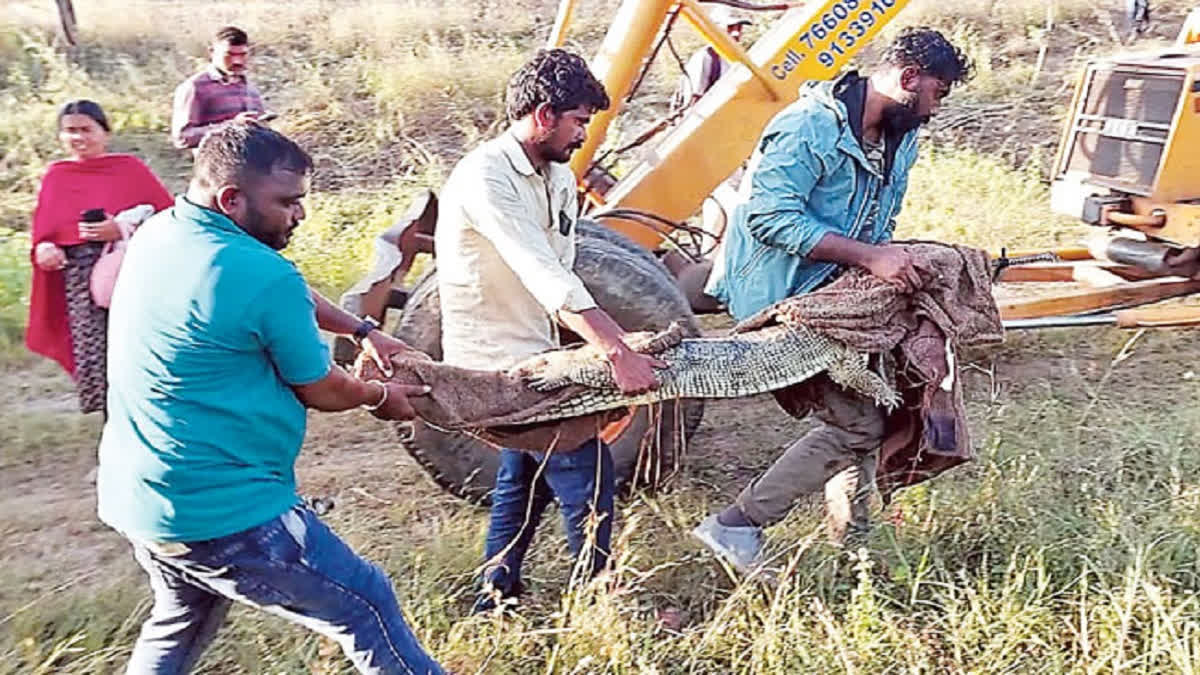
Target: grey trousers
point(839, 456)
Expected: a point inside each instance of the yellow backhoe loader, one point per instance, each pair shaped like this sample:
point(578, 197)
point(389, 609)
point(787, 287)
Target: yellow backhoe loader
point(1127, 163)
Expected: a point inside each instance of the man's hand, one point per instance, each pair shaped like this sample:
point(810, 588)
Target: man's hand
point(381, 347)
point(49, 257)
point(395, 403)
point(894, 264)
point(634, 372)
point(105, 230)
point(886, 261)
point(247, 116)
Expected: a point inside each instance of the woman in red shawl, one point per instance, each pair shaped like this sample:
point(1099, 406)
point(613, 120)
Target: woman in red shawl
point(64, 323)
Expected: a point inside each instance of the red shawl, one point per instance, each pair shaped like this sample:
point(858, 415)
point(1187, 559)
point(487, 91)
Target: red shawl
point(111, 182)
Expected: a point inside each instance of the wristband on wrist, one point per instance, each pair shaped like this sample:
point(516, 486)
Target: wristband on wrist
point(382, 399)
point(363, 330)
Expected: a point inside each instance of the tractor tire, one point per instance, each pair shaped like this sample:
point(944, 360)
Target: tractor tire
point(592, 229)
point(635, 290)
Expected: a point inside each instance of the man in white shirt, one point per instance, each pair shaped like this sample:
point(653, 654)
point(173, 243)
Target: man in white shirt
point(505, 246)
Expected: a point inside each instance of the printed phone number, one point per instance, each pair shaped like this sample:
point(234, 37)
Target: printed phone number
point(844, 25)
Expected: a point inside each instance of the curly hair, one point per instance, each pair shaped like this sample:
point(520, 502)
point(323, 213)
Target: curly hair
point(931, 52)
point(556, 77)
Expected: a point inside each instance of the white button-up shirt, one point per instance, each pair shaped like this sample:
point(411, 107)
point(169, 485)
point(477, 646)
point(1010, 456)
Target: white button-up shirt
point(505, 247)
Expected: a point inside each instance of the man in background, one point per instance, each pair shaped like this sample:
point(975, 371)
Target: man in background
point(703, 70)
point(218, 93)
point(706, 66)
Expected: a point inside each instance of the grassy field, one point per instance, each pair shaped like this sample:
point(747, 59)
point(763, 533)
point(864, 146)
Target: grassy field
point(1070, 545)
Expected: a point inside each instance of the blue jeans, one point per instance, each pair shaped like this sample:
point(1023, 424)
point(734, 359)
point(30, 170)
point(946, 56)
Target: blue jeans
point(581, 480)
point(293, 566)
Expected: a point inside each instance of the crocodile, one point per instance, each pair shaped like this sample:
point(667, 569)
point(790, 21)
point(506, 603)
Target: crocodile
point(568, 392)
point(756, 362)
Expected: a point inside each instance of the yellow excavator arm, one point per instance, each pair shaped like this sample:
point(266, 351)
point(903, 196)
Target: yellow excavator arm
point(809, 42)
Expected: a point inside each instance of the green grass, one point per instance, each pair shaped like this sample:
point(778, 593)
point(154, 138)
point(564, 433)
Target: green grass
point(962, 196)
point(1067, 547)
point(14, 285)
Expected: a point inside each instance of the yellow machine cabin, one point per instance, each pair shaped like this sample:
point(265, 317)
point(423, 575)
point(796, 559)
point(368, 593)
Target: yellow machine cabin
point(1130, 155)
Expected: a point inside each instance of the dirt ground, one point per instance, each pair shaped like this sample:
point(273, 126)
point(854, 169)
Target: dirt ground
point(52, 534)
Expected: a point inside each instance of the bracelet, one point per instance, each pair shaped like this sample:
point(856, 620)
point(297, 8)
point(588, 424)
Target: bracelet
point(383, 399)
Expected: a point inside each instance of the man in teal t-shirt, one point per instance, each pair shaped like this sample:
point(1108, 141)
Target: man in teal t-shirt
point(214, 355)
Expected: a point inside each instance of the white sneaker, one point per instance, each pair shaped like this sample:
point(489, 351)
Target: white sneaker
point(741, 547)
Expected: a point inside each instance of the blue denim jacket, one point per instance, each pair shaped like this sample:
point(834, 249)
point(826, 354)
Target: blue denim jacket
point(809, 177)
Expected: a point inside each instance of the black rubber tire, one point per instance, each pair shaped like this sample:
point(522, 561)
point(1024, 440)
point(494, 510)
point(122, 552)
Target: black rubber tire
point(586, 228)
point(631, 286)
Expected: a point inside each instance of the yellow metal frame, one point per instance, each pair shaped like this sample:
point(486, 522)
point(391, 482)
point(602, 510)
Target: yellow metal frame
point(718, 133)
point(813, 43)
point(562, 21)
point(1190, 33)
point(1162, 213)
point(1180, 164)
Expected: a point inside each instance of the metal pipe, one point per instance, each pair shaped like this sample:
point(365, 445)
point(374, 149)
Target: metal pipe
point(1135, 317)
point(1148, 255)
point(566, 11)
point(1106, 319)
point(1068, 253)
point(1156, 219)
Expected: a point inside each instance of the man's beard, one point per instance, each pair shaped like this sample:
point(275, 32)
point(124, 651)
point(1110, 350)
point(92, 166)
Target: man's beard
point(254, 225)
point(901, 117)
point(554, 154)
point(564, 155)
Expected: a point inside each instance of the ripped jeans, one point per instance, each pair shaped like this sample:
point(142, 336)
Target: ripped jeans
point(292, 566)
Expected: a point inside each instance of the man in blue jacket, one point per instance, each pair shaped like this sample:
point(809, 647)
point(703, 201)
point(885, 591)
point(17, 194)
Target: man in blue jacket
point(828, 177)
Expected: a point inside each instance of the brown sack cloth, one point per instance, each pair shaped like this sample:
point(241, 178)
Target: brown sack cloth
point(490, 404)
point(926, 434)
point(920, 334)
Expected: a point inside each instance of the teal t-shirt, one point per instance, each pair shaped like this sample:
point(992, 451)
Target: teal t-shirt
point(207, 331)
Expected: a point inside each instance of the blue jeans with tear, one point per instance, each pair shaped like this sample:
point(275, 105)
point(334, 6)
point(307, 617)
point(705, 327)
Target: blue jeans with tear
point(293, 566)
point(583, 482)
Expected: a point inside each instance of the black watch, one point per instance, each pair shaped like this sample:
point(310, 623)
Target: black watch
point(368, 324)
